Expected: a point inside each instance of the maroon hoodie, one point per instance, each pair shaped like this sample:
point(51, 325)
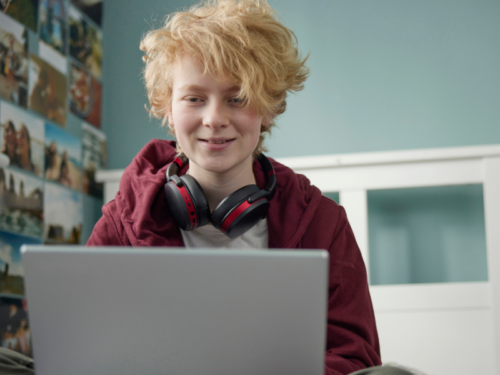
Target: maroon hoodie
point(299, 217)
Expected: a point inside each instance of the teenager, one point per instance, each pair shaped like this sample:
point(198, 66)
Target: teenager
point(219, 74)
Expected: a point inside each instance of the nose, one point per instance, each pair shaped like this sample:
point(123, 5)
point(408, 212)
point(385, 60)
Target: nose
point(216, 115)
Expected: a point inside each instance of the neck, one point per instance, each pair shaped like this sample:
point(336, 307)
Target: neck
point(218, 186)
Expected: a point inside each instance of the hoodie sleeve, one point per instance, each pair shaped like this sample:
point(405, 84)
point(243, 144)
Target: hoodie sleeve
point(106, 232)
point(352, 339)
point(301, 217)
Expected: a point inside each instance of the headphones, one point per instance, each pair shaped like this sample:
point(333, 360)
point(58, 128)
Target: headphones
point(234, 215)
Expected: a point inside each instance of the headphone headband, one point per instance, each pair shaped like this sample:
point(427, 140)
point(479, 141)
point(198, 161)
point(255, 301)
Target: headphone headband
point(270, 189)
point(174, 167)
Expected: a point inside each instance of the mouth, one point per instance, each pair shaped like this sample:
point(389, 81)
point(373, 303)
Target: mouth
point(217, 141)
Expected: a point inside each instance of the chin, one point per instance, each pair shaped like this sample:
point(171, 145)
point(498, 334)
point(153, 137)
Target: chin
point(218, 162)
point(216, 166)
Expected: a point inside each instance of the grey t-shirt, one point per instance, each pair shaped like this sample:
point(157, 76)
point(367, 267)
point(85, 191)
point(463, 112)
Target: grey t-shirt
point(207, 236)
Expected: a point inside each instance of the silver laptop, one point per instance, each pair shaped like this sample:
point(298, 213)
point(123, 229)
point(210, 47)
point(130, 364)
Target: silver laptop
point(176, 311)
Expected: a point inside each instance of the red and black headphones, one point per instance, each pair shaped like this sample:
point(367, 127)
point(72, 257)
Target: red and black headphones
point(234, 215)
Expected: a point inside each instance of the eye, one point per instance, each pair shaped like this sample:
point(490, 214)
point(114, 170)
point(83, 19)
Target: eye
point(236, 100)
point(192, 99)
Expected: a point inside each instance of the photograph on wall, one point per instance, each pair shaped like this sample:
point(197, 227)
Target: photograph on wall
point(63, 215)
point(21, 203)
point(23, 11)
point(22, 139)
point(11, 268)
point(95, 158)
point(14, 325)
point(85, 95)
point(63, 157)
point(47, 90)
point(91, 8)
point(13, 61)
point(85, 42)
point(53, 15)
point(54, 58)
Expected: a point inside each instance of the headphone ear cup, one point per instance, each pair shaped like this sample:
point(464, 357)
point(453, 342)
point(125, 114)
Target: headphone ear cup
point(187, 203)
point(234, 215)
point(177, 205)
point(197, 195)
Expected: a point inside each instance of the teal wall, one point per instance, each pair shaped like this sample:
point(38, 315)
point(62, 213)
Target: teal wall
point(385, 75)
point(125, 119)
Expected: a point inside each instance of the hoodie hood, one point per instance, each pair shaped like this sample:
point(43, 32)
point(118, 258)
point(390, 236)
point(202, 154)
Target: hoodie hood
point(142, 209)
point(292, 208)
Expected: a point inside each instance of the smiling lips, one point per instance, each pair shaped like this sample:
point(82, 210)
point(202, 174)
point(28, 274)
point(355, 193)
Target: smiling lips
point(216, 143)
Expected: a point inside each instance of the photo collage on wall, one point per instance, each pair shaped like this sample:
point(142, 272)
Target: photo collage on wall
point(85, 47)
point(52, 166)
point(13, 61)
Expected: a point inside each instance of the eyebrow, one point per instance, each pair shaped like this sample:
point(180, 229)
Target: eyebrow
point(194, 87)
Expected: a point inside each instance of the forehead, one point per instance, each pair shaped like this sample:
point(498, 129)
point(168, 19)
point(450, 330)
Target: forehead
point(189, 73)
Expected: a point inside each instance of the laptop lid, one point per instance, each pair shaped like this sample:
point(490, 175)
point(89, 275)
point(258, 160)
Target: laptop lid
point(176, 311)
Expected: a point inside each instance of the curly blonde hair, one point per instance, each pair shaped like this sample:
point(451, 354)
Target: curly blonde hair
point(240, 40)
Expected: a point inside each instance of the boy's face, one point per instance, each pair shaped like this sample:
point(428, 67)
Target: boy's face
point(212, 127)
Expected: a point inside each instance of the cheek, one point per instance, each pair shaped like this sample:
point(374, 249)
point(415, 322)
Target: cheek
point(184, 126)
point(256, 135)
point(184, 129)
point(183, 117)
point(253, 127)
